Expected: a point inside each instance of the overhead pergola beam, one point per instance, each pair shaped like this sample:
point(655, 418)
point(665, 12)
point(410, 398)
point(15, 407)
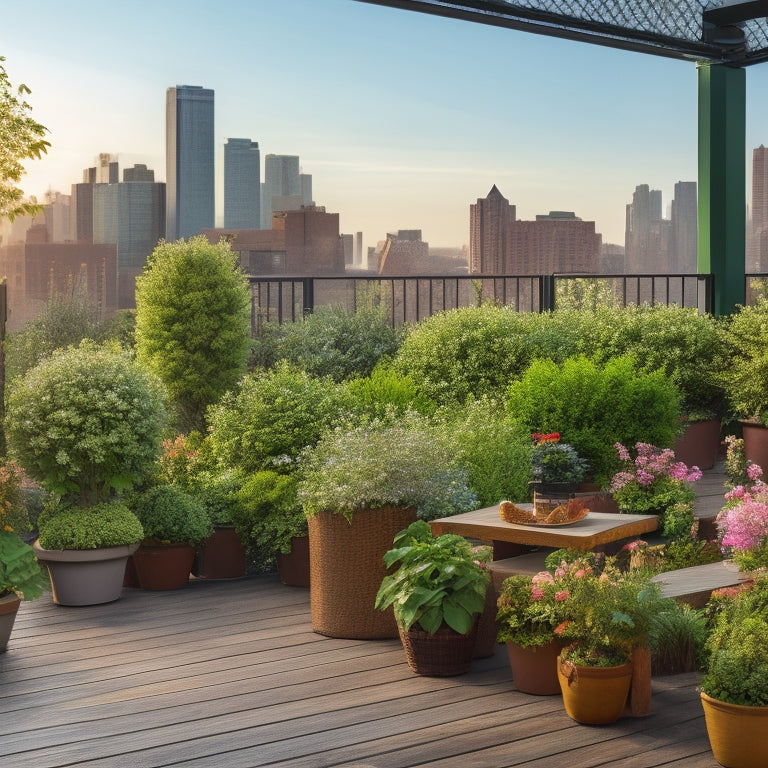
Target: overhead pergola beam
point(539, 19)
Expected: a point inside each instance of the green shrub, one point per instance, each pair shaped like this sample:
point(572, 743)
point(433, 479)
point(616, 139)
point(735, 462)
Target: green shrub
point(86, 422)
point(677, 640)
point(273, 416)
point(746, 378)
point(169, 515)
point(103, 525)
point(465, 352)
point(386, 390)
point(193, 323)
point(494, 450)
point(268, 514)
point(595, 407)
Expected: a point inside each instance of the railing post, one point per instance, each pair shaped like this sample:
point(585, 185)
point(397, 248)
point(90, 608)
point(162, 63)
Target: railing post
point(308, 292)
point(546, 293)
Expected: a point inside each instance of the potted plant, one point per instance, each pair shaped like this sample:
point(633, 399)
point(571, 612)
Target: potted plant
point(174, 524)
point(734, 689)
point(557, 467)
point(270, 519)
point(605, 614)
point(359, 486)
point(526, 619)
point(438, 593)
point(745, 380)
point(20, 575)
point(655, 483)
point(86, 423)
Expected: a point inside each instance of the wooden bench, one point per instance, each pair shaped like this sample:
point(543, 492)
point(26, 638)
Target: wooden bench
point(694, 585)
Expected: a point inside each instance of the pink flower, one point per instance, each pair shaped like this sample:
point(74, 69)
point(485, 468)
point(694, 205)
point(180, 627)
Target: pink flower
point(623, 452)
point(543, 577)
point(644, 478)
point(537, 593)
point(580, 574)
point(561, 595)
point(633, 545)
point(754, 471)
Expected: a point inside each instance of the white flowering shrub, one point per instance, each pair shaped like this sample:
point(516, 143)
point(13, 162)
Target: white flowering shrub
point(86, 422)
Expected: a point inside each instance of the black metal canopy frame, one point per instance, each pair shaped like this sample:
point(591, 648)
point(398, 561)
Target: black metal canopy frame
point(720, 31)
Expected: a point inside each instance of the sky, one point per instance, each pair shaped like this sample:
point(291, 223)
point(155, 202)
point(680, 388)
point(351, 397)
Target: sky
point(403, 119)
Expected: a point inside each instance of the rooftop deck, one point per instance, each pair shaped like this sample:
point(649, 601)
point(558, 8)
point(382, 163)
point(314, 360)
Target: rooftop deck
point(231, 674)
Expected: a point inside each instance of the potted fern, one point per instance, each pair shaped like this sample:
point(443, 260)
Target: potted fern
point(438, 593)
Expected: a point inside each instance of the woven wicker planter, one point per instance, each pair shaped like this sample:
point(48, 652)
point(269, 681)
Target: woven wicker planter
point(444, 654)
point(346, 569)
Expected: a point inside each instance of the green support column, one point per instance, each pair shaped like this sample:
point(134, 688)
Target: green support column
point(722, 193)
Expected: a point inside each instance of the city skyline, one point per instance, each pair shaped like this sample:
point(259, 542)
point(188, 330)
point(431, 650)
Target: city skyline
point(403, 120)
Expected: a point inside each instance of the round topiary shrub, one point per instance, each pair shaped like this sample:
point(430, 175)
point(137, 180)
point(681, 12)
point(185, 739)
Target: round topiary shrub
point(86, 422)
point(594, 407)
point(169, 515)
point(470, 351)
point(102, 525)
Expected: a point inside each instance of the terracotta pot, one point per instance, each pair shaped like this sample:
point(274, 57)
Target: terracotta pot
point(85, 576)
point(161, 568)
point(9, 606)
point(293, 568)
point(737, 734)
point(755, 443)
point(594, 695)
point(346, 562)
point(222, 556)
point(534, 669)
point(699, 445)
point(444, 654)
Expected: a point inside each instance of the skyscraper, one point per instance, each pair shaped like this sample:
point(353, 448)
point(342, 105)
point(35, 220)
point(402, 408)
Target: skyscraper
point(242, 184)
point(281, 179)
point(685, 231)
point(189, 161)
point(490, 232)
point(758, 241)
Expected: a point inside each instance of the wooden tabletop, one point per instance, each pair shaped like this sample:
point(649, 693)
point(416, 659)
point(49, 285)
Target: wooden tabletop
point(595, 529)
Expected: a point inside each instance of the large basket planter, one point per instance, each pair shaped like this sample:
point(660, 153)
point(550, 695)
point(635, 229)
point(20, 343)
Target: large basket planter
point(346, 570)
point(293, 568)
point(85, 576)
point(737, 734)
point(594, 695)
point(222, 555)
point(164, 567)
point(9, 607)
point(444, 654)
point(534, 669)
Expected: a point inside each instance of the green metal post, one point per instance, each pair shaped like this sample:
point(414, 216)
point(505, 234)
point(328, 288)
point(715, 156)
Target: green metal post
point(722, 180)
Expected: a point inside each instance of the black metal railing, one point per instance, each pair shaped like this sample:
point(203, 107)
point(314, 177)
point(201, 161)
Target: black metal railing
point(414, 297)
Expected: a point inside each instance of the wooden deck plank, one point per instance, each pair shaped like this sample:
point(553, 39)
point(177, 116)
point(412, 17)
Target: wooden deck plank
point(230, 673)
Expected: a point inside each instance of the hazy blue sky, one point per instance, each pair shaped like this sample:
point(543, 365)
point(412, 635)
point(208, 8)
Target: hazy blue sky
point(402, 119)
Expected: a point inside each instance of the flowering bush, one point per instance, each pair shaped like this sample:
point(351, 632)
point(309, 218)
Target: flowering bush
point(654, 483)
point(556, 462)
point(527, 610)
point(407, 462)
point(743, 521)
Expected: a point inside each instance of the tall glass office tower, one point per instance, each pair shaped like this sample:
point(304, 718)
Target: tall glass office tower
point(189, 161)
point(242, 184)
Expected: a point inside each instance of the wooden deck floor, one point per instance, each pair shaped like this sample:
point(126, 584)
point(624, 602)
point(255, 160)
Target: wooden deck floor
point(229, 674)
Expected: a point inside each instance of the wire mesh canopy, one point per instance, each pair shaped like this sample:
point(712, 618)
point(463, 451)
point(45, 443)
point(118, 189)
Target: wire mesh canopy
point(722, 31)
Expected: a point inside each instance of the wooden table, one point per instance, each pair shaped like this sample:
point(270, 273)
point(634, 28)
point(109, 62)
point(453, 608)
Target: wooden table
point(596, 529)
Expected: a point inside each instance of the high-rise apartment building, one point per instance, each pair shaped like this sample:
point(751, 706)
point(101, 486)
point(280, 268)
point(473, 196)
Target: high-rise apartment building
point(490, 231)
point(684, 247)
point(281, 180)
point(757, 251)
point(242, 184)
point(189, 161)
point(305, 185)
point(131, 215)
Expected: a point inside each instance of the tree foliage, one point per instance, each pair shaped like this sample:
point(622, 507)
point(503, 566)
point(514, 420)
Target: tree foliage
point(193, 324)
point(21, 138)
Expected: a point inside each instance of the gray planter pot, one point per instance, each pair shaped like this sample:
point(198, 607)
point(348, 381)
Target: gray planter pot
point(9, 605)
point(85, 576)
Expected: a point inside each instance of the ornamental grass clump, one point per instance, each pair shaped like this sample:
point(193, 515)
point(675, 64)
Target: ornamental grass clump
point(407, 462)
point(654, 483)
